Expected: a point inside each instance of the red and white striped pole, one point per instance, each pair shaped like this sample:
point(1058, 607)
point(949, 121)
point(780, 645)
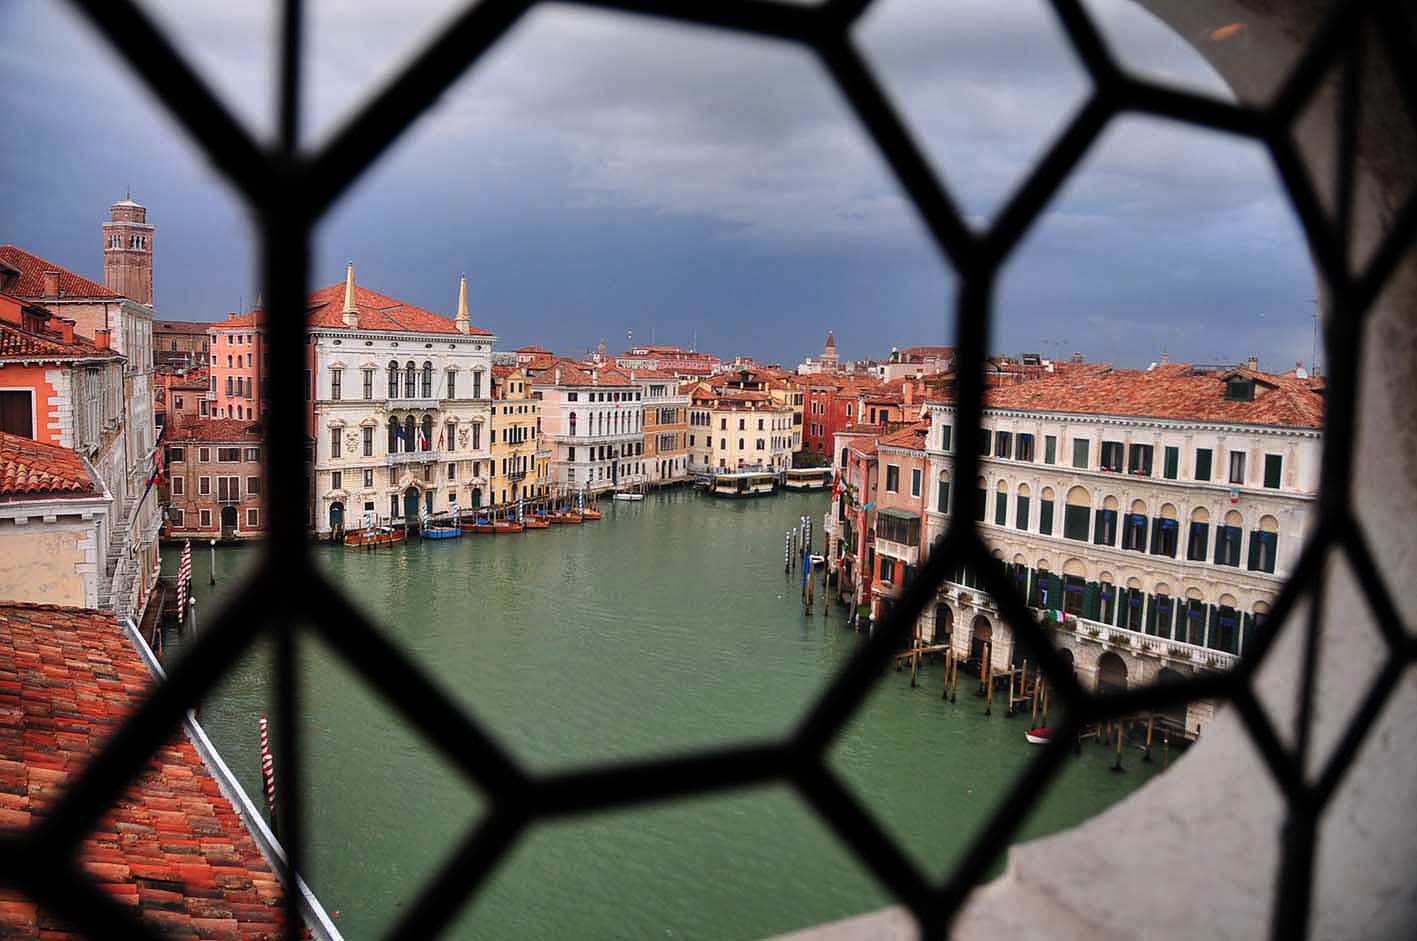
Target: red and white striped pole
point(268, 772)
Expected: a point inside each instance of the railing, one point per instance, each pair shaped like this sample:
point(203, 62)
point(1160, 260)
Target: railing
point(1115, 636)
point(413, 457)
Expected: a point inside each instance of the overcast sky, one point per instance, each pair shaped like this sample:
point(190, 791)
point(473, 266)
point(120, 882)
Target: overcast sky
point(598, 174)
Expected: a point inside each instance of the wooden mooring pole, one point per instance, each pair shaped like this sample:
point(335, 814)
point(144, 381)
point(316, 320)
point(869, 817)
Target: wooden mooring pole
point(1150, 722)
point(988, 672)
point(949, 661)
point(915, 663)
point(1165, 749)
point(1117, 766)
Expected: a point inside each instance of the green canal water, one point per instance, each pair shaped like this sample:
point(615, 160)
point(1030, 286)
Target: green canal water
point(666, 626)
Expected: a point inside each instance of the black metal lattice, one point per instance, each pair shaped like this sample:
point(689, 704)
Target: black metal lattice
point(288, 191)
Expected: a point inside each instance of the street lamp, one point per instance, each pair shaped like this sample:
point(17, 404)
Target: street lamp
point(213, 561)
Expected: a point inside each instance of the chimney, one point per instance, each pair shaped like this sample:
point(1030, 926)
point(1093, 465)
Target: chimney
point(100, 338)
point(351, 312)
point(1253, 363)
point(66, 330)
point(51, 284)
point(1165, 358)
point(462, 322)
point(558, 376)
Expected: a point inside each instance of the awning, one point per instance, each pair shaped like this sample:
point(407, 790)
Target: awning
point(897, 514)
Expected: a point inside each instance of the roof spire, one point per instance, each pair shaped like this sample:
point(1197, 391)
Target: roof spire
point(351, 311)
point(462, 322)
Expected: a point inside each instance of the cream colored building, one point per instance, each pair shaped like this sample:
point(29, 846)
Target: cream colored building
point(733, 430)
point(402, 407)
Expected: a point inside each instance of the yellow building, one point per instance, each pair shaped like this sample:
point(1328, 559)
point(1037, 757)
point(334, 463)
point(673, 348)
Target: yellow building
point(516, 470)
point(734, 430)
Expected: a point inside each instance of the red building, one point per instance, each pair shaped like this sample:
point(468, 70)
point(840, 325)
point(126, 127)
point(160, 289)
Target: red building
point(215, 480)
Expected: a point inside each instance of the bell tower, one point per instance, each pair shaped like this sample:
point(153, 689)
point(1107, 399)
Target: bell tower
point(128, 251)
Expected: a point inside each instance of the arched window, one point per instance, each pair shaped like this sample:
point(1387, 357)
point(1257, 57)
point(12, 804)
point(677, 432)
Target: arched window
point(1225, 630)
point(1001, 503)
point(1166, 532)
point(1134, 528)
point(1195, 614)
point(393, 435)
point(427, 380)
point(393, 380)
point(1198, 539)
point(1021, 507)
point(1107, 599)
point(1104, 532)
point(1162, 612)
point(1264, 545)
point(1076, 514)
point(410, 380)
point(1227, 539)
point(1074, 586)
point(410, 433)
point(1045, 511)
point(942, 494)
point(1132, 599)
point(573, 423)
point(427, 442)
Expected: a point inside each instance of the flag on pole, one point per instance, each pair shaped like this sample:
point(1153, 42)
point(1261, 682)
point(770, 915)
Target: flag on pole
point(184, 580)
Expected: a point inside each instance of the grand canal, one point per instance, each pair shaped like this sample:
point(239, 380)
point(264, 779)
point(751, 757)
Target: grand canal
point(667, 625)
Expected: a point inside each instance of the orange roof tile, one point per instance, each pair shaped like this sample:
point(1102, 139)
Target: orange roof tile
point(1172, 392)
point(20, 345)
point(377, 312)
point(31, 468)
point(172, 847)
point(31, 280)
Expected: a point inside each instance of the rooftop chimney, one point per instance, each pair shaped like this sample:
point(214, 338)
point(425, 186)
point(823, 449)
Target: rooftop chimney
point(66, 330)
point(351, 312)
point(51, 284)
point(1165, 358)
point(462, 322)
point(1253, 363)
point(100, 338)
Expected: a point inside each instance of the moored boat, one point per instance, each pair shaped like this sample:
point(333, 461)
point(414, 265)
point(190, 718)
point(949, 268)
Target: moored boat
point(507, 526)
point(590, 514)
point(807, 478)
point(1039, 736)
point(536, 521)
point(440, 531)
point(375, 536)
point(563, 516)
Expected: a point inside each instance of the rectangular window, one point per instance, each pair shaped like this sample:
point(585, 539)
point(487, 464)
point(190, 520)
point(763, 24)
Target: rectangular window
point(1273, 465)
point(204, 455)
point(1171, 470)
point(915, 480)
point(984, 442)
point(1139, 460)
point(1050, 449)
point(253, 454)
point(452, 392)
point(179, 486)
point(228, 488)
point(945, 431)
point(253, 517)
point(335, 434)
point(336, 480)
point(1045, 517)
point(1075, 522)
point(179, 518)
point(176, 455)
point(368, 478)
point(1021, 514)
point(205, 516)
point(1203, 456)
point(336, 383)
point(204, 486)
point(1111, 457)
point(1080, 455)
point(253, 486)
point(1003, 444)
point(1001, 508)
point(942, 497)
point(887, 570)
point(368, 442)
point(1134, 532)
point(368, 383)
point(892, 478)
point(1024, 449)
point(476, 436)
point(1165, 534)
point(1237, 467)
point(1263, 548)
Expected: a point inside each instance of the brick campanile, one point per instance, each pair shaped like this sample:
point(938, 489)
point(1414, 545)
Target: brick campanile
point(128, 251)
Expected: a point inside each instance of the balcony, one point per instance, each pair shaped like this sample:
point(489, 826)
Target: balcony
point(399, 458)
point(516, 475)
point(413, 405)
point(1147, 644)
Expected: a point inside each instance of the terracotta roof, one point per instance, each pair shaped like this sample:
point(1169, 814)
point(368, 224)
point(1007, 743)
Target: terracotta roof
point(31, 281)
point(31, 468)
point(180, 326)
point(217, 429)
point(1174, 392)
point(578, 374)
point(641, 373)
point(912, 437)
point(172, 848)
point(531, 349)
point(19, 344)
point(325, 308)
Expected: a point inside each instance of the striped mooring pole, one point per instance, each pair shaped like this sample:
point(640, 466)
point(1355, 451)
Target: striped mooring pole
point(268, 772)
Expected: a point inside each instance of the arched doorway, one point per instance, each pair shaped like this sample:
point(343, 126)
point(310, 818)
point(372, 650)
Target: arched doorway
point(336, 515)
point(1176, 713)
point(944, 623)
point(981, 632)
point(410, 506)
point(1111, 673)
point(228, 521)
point(476, 497)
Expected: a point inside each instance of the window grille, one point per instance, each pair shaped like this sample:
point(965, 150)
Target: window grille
point(289, 190)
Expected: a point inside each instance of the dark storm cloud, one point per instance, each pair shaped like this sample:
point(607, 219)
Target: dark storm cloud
point(598, 174)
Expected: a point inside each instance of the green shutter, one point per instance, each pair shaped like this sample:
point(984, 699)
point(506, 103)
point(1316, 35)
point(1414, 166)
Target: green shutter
point(1203, 464)
point(1045, 517)
point(1055, 591)
point(1001, 508)
point(1151, 614)
point(1050, 449)
point(1080, 452)
point(1173, 463)
point(1254, 562)
point(1092, 601)
point(1272, 465)
point(1033, 599)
